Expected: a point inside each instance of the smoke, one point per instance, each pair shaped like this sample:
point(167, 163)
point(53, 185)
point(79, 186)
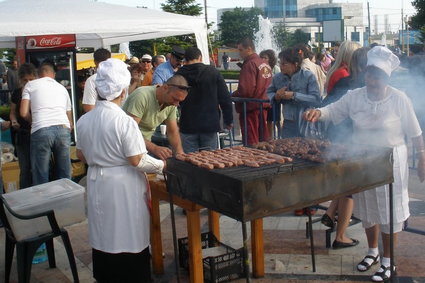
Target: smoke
point(410, 78)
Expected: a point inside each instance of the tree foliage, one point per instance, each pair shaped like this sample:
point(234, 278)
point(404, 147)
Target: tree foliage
point(183, 7)
point(164, 45)
point(281, 35)
point(9, 54)
point(418, 20)
point(285, 39)
point(238, 23)
point(300, 37)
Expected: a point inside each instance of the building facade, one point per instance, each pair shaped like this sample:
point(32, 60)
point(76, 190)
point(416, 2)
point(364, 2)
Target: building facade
point(309, 15)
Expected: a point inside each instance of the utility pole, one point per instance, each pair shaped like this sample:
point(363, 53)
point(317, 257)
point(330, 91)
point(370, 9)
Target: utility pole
point(208, 35)
point(408, 34)
point(402, 28)
point(368, 23)
point(206, 14)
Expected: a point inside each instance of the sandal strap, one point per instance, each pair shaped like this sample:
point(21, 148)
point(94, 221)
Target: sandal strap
point(365, 263)
point(374, 258)
point(382, 274)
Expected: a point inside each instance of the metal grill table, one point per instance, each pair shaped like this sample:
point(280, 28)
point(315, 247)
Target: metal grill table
point(245, 193)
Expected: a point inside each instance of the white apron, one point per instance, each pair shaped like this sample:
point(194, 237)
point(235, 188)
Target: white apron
point(373, 205)
point(119, 219)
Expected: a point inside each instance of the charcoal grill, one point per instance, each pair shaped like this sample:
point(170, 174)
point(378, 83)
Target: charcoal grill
point(246, 193)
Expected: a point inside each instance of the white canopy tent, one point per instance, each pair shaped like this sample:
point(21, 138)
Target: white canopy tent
point(95, 24)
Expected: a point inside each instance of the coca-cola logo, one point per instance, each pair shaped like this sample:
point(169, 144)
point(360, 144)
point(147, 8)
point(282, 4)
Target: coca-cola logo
point(54, 41)
point(50, 41)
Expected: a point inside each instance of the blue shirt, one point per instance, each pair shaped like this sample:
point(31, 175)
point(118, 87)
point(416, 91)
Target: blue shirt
point(306, 92)
point(162, 73)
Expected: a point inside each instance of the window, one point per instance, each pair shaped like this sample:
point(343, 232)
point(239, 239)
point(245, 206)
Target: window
point(355, 36)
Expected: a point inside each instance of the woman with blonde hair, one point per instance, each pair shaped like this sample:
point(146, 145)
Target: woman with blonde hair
point(341, 66)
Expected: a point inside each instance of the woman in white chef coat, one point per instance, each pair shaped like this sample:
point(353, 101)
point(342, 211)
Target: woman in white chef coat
point(382, 116)
point(110, 142)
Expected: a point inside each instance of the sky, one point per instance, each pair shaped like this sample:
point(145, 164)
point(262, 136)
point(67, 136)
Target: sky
point(377, 7)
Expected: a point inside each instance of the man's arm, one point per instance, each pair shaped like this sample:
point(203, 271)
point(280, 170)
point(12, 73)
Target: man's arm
point(225, 102)
point(12, 116)
point(88, 107)
point(248, 81)
point(159, 151)
point(174, 136)
point(25, 110)
point(81, 156)
point(71, 122)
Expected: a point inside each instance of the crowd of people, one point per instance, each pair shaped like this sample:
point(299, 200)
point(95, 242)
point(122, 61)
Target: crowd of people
point(125, 103)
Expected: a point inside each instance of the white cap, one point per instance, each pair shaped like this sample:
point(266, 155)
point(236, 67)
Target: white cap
point(382, 58)
point(112, 77)
point(147, 57)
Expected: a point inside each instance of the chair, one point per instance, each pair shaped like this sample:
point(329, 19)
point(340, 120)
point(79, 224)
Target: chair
point(26, 248)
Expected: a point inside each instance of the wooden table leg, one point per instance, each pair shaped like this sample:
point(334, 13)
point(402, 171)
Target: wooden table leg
point(214, 223)
point(156, 240)
point(257, 246)
point(195, 248)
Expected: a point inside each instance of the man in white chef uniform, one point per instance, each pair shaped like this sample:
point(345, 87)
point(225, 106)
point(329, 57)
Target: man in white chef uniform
point(111, 144)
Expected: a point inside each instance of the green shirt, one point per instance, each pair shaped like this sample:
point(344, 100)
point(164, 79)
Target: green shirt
point(142, 103)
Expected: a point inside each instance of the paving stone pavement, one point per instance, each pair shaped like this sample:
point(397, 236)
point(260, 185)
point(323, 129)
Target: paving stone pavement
point(287, 251)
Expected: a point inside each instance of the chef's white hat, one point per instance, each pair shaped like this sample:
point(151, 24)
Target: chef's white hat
point(383, 58)
point(112, 77)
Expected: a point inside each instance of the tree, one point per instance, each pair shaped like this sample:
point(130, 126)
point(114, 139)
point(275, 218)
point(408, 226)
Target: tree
point(300, 37)
point(164, 45)
point(285, 39)
point(238, 23)
point(183, 7)
point(418, 20)
point(281, 35)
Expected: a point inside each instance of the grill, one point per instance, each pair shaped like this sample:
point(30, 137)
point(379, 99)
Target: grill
point(245, 193)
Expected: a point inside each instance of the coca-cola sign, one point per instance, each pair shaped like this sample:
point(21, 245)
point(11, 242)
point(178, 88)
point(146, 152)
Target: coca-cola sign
point(50, 41)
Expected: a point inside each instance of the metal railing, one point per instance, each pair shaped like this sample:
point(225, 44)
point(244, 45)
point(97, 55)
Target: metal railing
point(244, 102)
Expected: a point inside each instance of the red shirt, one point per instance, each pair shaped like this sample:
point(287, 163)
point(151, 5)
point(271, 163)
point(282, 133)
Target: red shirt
point(340, 73)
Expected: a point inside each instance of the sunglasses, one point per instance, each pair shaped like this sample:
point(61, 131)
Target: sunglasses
point(182, 87)
point(146, 61)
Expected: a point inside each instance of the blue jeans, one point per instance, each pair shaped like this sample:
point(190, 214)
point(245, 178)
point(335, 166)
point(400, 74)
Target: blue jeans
point(195, 142)
point(54, 140)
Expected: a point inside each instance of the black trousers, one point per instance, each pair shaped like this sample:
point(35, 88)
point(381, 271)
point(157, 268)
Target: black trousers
point(122, 267)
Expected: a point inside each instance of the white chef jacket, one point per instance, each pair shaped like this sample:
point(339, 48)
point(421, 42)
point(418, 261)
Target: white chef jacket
point(384, 123)
point(117, 209)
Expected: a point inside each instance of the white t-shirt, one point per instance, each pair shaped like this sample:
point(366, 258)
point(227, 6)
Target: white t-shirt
point(382, 123)
point(90, 94)
point(49, 103)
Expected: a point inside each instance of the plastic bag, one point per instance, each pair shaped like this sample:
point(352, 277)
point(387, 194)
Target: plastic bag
point(316, 130)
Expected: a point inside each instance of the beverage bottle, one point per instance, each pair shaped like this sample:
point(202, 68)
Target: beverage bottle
point(40, 254)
